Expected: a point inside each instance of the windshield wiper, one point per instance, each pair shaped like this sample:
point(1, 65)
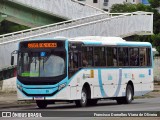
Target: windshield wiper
point(43, 63)
point(35, 63)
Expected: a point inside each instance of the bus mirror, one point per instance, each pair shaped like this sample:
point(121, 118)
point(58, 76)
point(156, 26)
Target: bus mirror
point(12, 60)
point(12, 57)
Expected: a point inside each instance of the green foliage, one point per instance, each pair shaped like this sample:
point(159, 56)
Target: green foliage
point(156, 41)
point(8, 27)
point(128, 7)
point(154, 3)
point(142, 38)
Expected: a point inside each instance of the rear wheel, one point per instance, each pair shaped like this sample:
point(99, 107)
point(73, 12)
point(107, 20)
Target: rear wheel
point(83, 101)
point(128, 98)
point(129, 95)
point(41, 104)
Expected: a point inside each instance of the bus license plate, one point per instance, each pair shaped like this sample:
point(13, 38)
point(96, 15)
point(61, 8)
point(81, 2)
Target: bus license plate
point(38, 98)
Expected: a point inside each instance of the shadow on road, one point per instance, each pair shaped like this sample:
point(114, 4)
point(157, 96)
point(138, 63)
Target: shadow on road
point(73, 106)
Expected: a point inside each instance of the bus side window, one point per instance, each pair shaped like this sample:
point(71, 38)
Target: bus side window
point(123, 56)
point(149, 63)
point(111, 56)
point(134, 56)
point(73, 60)
point(143, 56)
point(99, 56)
point(87, 56)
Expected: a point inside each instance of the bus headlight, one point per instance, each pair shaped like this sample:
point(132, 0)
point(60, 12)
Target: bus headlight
point(19, 87)
point(61, 86)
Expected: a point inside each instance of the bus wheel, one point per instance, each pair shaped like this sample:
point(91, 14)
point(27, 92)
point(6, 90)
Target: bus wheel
point(128, 98)
point(129, 95)
point(41, 103)
point(83, 101)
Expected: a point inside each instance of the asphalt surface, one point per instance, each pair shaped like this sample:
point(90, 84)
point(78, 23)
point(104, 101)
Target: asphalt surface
point(147, 104)
point(8, 102)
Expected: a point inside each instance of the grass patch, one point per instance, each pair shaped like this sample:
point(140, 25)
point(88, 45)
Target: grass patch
point(156, 91)
point(157, 82)
point(8, 92)
point(144, 96)
point(25, 102)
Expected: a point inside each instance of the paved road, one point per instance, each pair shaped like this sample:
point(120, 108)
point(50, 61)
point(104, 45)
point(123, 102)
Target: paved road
point(147, 104)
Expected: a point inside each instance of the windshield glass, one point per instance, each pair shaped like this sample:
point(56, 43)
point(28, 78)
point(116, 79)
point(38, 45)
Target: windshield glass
point(41, 64)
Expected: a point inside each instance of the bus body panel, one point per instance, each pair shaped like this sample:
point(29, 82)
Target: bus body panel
point(110, 85)
point(104, 82)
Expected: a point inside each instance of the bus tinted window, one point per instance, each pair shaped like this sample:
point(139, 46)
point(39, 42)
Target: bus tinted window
point(134, 57)
point(143, 56)
point(149, 57)
point(116, 56)
point(111, 56)
point(123, 56)
point(99, 56)
point(87, 56)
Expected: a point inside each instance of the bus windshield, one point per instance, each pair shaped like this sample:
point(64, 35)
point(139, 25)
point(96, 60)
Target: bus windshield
point(41, 64)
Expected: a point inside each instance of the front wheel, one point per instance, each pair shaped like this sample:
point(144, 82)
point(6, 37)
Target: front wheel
point(83, 101)
point(41, 104)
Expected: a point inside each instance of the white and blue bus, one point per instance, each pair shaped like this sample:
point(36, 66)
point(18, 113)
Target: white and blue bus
point(83, 69)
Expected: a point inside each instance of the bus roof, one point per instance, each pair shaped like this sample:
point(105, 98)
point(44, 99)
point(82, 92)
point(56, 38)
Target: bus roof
point(99, 40)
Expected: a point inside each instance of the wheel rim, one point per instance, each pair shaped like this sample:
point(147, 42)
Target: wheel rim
point(84, 97)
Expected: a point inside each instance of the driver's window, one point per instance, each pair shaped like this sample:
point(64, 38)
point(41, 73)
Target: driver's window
point(74, 62)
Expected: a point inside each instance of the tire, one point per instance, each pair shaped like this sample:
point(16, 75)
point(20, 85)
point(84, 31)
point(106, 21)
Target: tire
point(83, 101)
point(128, 98)
point(41, 104)
point(129, 95)
point(92, 102)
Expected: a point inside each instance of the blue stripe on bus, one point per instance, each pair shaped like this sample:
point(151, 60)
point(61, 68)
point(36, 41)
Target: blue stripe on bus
point(92, 43)
point(43, 86)
point(103, 93)
point(134, 44)
point(119, 83)
point(100, 84)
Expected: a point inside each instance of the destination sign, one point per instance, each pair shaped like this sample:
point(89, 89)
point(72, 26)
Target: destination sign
point(42, 45)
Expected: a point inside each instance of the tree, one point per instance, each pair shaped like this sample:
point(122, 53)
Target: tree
point(156, 41)
point(154, 3)
point(128, 7)
point(8, 27)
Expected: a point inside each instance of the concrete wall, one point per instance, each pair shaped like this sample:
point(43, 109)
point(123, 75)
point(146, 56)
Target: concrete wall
point(8, 85)
point(157, 68)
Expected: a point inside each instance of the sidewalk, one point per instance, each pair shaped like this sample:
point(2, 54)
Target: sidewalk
point(9, 100)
